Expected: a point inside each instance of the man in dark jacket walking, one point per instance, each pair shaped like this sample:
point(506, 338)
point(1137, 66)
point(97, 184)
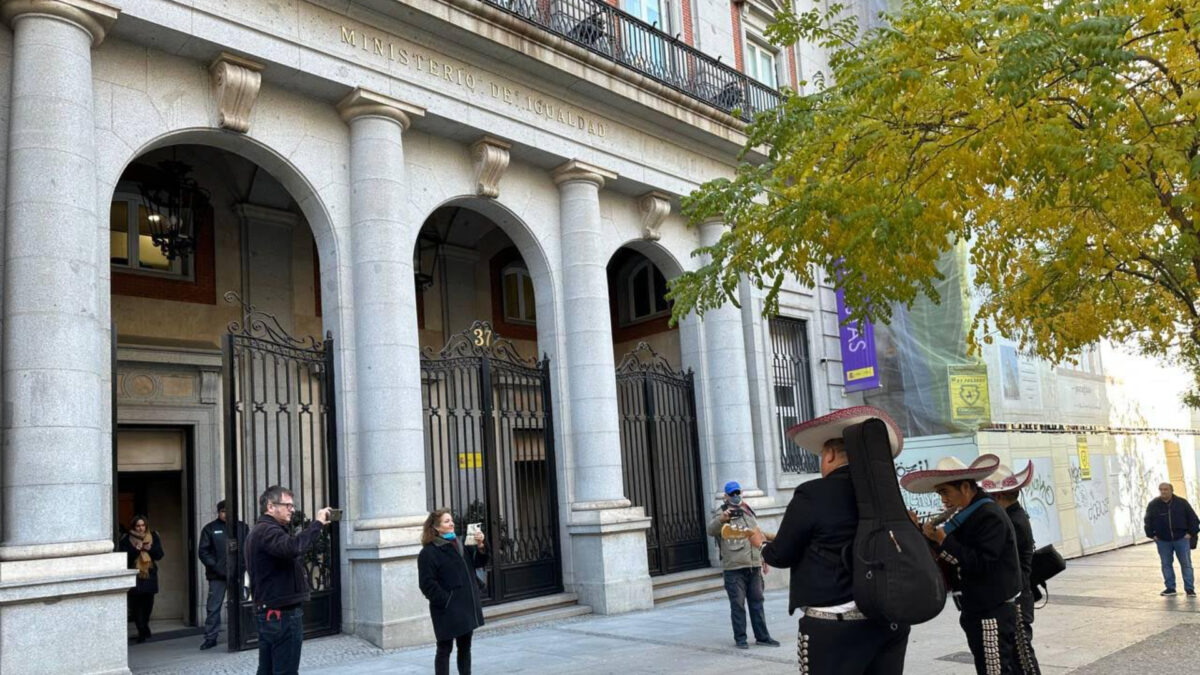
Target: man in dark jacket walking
point(1005, 487)
point(979, 544)
point(212, 554)
point(278, 583)
point(1172, 524)
point(816, 533)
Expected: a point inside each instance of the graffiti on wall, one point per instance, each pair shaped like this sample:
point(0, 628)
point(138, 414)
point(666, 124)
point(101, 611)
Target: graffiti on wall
point(1093, 507)
point(1039, 502)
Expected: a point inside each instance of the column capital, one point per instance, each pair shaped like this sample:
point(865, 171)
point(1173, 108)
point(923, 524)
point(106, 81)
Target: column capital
point(576, 170)
point(94, 17)
point(366, 103)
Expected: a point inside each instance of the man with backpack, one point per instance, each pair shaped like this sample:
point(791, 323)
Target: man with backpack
point(1005, 487)
point(732, 524)
point(980, 547)
point(816, 539)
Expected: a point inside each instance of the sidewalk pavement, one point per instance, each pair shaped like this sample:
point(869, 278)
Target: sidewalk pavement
point(1104, 618)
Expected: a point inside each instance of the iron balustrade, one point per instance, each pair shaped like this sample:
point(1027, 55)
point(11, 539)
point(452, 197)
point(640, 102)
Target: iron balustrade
point(625, 39)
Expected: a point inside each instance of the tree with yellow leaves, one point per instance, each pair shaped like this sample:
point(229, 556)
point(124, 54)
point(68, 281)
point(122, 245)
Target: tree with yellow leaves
point(1061, 140)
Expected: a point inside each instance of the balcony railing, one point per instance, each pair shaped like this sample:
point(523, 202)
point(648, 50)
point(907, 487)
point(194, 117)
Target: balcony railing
point(616, 35)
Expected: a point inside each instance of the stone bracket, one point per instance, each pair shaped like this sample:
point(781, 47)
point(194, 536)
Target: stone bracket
point(235, 85)
point(655, 207)
point(491, 159)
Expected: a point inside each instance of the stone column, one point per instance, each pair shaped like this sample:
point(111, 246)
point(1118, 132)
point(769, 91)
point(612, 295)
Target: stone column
point(60, 583)
point(389, 476)
point(728, 389)
point(607, 534)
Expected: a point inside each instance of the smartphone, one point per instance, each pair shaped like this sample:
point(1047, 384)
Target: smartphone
point(335, 515)
point(474, 529)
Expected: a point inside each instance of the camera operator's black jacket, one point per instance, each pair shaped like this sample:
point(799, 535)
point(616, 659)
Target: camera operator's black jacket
point(275, 560)
point(816, 534)
point(984, 549)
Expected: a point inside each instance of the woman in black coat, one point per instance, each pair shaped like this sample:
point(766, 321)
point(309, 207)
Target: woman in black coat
point(446, 570)
point(143, 550)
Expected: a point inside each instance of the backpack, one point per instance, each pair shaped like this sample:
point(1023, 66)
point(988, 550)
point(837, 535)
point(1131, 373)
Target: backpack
point(896, 579)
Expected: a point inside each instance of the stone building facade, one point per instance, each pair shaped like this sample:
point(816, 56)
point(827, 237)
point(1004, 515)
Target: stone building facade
point(379, 174)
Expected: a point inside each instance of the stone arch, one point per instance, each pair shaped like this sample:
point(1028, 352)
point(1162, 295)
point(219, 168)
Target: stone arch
point(541, 264)
point(658, 254)
point(293, 179)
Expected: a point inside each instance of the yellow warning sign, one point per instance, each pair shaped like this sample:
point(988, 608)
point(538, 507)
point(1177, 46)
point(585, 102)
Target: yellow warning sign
point(470, 460)
point(969, 401)
point(1085, 462)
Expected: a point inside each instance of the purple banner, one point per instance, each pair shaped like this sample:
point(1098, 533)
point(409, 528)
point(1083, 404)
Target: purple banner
point(860, 366)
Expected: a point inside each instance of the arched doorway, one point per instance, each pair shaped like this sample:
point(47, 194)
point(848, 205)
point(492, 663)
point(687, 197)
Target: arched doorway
point(215, 396)
point(489, 437)
point(657, 409)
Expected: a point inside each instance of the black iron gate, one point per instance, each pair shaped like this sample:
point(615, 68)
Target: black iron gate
point(279, 430)
point(660, 458)
point(489, 456)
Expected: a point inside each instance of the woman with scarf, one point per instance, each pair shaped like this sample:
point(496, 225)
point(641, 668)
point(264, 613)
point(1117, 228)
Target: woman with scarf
point(446, 572)
point(143, 549)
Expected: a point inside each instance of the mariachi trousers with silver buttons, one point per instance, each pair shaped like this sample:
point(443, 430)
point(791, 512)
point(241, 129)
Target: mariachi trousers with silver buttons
point(857, 647)
point(992, 637)
point(1026, 659)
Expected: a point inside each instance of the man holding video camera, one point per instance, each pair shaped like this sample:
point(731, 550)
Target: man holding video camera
point(732, 524)
point(278, 584)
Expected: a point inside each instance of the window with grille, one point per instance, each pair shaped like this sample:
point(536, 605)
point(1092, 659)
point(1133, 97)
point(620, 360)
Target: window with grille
point(792, 379)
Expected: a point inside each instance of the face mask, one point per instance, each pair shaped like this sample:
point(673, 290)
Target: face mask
point(735, 499)
point(449, 536)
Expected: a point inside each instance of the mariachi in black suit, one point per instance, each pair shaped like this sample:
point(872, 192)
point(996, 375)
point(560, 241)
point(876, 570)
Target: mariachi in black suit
point(987, 580)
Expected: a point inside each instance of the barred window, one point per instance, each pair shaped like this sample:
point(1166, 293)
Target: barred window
point(792, 380)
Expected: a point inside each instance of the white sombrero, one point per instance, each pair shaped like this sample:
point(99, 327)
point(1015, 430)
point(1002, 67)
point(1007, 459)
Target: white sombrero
point(1003, 479)
point(949, 469)
point(811, 435)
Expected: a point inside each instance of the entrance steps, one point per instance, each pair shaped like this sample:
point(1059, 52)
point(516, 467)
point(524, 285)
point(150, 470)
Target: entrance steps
point(546, 609)
point(680, 586)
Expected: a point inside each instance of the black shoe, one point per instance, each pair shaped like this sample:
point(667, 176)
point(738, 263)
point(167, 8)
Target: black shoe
point(1191, 594)
point(208, 644)
point(769, 642)
point(1169, 592)
point(742, 645)
point(140, 639)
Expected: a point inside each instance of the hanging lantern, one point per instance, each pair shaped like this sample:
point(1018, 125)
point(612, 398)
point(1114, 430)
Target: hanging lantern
point(172, 200)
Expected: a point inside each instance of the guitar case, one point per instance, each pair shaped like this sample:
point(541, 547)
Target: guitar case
point(896, 581)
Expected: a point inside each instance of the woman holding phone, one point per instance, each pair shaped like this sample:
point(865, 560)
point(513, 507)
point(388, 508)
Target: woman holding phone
point(446, 572)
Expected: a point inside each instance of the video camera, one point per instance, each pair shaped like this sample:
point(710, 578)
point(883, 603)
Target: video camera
point(732, 510)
